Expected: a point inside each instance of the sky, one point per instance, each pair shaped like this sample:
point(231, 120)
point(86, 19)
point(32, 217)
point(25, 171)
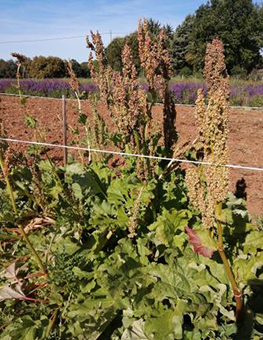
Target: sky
point(49, 19)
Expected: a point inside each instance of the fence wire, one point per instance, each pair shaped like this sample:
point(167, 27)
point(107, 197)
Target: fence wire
point(125, 154)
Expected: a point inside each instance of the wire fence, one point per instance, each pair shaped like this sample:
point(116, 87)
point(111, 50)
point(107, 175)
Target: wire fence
point(125, 154)
point(66, 147)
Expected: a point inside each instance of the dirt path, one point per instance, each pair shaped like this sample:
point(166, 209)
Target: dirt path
point(245, 137)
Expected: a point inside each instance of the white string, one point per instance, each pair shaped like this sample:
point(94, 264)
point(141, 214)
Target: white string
point(231, 166)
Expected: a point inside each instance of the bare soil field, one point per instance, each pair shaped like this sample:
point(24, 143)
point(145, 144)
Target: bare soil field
point(245, 137)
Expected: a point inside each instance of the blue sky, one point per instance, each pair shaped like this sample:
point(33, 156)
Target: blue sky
point(34, 19)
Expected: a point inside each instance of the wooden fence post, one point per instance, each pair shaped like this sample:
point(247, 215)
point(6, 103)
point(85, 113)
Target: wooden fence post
point(64, 115)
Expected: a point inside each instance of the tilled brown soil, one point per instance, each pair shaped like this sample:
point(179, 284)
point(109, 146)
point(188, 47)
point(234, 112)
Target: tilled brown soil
point(245, 137)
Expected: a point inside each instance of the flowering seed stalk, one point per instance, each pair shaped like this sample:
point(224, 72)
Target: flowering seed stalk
point(208, 186)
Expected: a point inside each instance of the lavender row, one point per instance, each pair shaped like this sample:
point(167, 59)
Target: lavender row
point(45, 88)
point(242, 95)
point(184, 92)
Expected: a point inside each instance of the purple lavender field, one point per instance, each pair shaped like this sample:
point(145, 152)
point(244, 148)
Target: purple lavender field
point(185, 92)
point(54, 88)
point(240, 94)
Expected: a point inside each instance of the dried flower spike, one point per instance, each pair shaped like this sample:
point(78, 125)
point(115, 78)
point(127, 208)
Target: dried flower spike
point(157, 67)
point(20, 57)
point(73, 79)
point(209, 185)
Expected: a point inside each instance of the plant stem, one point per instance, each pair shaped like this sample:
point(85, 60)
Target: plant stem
point(12, 199)
point(236, 291)
point(52, 322)
point(18, 82)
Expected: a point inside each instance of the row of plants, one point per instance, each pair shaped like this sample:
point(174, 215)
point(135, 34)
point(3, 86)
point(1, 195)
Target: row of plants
point(53, 88)
point(134, 248)
point(184, 92)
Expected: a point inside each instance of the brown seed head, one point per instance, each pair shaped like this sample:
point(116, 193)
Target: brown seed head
point(215, 68)
point(89, 44)
point(20, 57)
point(91, 66)
point(103, 76)
point(209, 185)
point(73, 79)
point(156, 62)
point(128, 70)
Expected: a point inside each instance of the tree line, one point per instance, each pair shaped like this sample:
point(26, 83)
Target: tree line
point(238, 23)
point(41, 67)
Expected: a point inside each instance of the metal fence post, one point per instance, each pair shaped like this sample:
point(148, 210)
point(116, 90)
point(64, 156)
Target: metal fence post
point(64, 115)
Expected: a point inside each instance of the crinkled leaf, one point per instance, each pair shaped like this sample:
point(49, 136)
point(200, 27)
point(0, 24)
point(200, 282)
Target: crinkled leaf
point(28, 329)
point(136, 331)
point(75, 168)
point(166, 326)
point(77, 190)
point(202, 241)
point(13, 270)
point(169, 225)
point(8, 293)
point(254, 241)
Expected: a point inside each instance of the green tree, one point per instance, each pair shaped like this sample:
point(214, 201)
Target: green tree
point(155, 26)
point(237, 23)
point(179, 44)
point(25, 70)
point(85, 71)
point(114, 50)
point(7, 69)
point(77, 68)
point(47, 67)
point(113, 53)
